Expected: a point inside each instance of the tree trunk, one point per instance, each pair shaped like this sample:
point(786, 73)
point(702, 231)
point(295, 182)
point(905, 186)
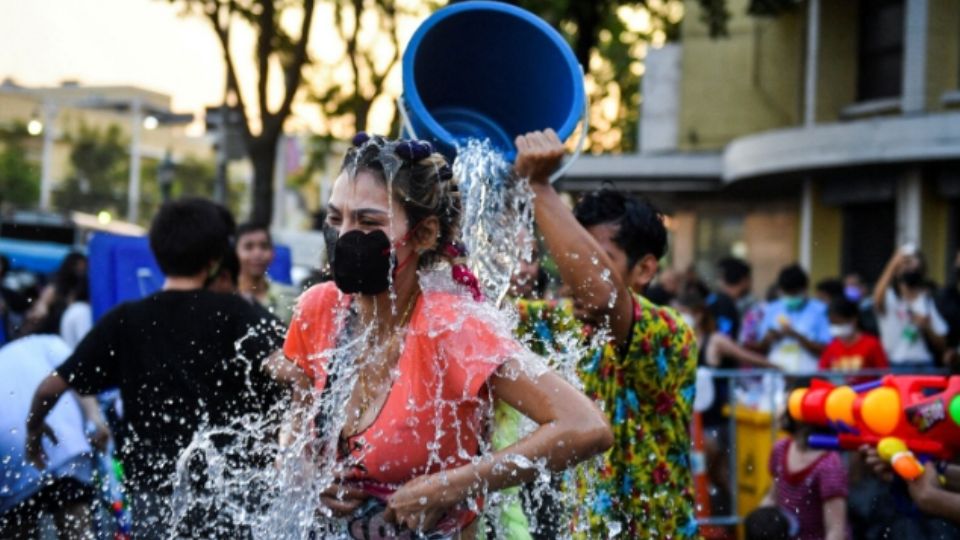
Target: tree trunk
point(263, 155)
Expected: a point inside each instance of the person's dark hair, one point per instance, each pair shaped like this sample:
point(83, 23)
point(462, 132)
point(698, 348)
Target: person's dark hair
point(792, 279)
point(422, 182)
point(251, 227)
point(832, 288)
point(641, 229)
point(230, 264)
point(733, 270)
point(696, 302)
point(766, 523)
point(187, 234)
point(4, 266)
point(845, 309)
point(70, 280)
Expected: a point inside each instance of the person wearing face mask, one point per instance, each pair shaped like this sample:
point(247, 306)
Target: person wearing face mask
point(948, 303)
point(911, 327)
point(851, 349)
point(794, 328)
point(435, 356)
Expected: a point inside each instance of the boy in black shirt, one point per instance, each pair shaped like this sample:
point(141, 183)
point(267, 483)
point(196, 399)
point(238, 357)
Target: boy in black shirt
point(183, 358)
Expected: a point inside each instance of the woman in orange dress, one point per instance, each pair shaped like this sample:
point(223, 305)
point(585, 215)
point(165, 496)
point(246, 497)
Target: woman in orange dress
point(427, 357)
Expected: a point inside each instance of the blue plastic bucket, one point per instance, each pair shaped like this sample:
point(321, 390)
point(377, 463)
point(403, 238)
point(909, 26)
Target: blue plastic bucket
point(483, 69)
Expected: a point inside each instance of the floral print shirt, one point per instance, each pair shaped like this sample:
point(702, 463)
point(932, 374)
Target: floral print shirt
point(643, 488)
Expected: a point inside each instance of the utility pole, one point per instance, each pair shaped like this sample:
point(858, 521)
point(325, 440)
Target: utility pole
point(133, 193)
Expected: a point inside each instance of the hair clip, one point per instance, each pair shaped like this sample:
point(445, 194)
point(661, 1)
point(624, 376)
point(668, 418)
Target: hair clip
point(360, 138)
point(413, 150)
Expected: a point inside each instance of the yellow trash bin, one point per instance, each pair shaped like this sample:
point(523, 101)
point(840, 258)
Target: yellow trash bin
point(754, 445)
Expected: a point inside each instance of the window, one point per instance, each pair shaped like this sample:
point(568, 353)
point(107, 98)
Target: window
point(718, 236)
point(869, 232)
point(880, 51)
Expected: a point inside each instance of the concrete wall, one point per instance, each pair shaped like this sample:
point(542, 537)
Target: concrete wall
point(827, 238)
point(943, 50)
point(661, 99)
point(748, 82)
point(935, 219)
point(771, 238)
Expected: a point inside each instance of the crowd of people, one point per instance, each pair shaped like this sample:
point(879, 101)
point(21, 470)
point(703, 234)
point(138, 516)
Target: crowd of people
point(401, 319)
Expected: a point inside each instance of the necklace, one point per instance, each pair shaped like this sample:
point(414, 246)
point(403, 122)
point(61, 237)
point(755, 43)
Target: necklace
point(367, 390)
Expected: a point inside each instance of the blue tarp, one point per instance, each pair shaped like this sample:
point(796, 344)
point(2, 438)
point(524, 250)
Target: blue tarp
point(122, 268)
point(37, 257)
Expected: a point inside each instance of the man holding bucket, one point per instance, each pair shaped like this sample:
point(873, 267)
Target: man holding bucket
point(645, 375)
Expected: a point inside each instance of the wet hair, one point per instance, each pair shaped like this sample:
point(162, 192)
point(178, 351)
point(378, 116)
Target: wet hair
point(187, 234)
point(251, 227)
point(766, 523)
point(420, 180)
point(733, 270)
point(641, 230)
point(832, 288)
point(845, 309)
point(792, 279)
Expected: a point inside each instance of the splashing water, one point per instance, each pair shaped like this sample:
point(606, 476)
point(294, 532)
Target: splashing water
point(497, 211)
point(277, 495)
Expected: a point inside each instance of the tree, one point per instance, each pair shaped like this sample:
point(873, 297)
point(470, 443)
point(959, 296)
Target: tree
point(19, 176)
point(99, 174)
point(275, 47)
point(347, 89)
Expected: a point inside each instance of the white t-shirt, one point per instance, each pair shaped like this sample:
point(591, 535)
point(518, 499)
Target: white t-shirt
point(24, 363)
point(902, 340)
point(75, 323)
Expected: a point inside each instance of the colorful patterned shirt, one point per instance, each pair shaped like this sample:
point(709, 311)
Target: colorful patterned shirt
point(644, 487)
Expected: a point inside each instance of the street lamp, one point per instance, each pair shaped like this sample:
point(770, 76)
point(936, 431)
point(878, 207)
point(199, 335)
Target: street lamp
point(35, 127)
point(165, 176)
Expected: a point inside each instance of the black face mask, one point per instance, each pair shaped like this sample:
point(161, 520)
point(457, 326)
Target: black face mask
point(912, 278)
point(361, 262)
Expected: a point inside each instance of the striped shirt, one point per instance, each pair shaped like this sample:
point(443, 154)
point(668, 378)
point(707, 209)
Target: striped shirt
point(802, 493)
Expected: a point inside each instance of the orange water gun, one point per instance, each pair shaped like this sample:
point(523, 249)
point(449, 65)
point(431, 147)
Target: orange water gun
point(903, 416)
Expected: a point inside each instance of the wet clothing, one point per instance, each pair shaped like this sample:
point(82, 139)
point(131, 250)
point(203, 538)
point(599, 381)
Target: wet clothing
point(803, 492)
point(643, 488)
point(182, 360)
point(449, 353)
point(24, 364)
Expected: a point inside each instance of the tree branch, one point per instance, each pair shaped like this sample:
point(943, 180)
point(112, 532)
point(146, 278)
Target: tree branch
point(222, 30)
point(294, 71)
point(267, 25)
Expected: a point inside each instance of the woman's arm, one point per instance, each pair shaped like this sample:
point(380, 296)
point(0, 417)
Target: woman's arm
point(835, 518)
point(880, 289)
point(722, 346)
point(571, 430)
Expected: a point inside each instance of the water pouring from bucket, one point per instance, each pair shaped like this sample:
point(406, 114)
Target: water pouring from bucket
point(488, 70)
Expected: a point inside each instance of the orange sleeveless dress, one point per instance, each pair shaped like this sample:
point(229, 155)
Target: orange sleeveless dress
point(434, 417)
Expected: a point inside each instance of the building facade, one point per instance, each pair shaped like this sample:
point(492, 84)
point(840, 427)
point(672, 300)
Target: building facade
point(828, 135)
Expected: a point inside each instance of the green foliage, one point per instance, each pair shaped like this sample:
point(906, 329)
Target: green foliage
point(19, 176)
point(610, 45)
point(99, 172)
